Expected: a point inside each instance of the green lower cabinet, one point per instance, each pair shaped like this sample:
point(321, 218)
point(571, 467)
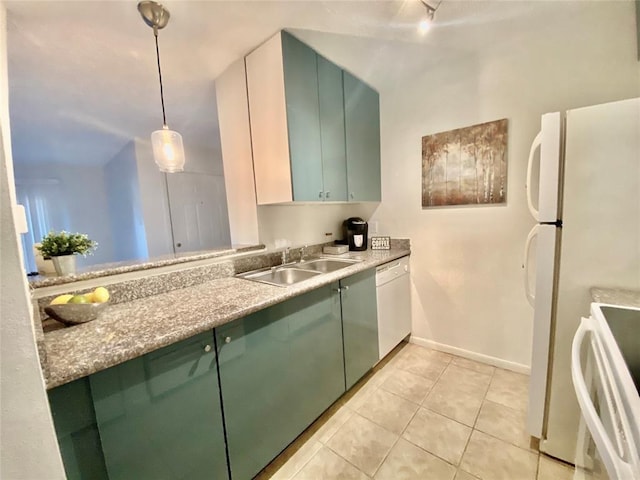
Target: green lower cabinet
point(78, 437)
point(159, 415)
point(359, 324)
point(280, 368)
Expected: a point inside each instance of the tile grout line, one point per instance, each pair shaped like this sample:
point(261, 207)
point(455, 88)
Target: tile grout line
point(416, 412)
point(399, 436)
point(355, 412)
point(464, 451)
point(291, 477)
point(377, 384)
point(403, 430)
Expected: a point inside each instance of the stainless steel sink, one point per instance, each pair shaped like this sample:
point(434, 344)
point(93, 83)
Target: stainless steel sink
point(326, 265)
point(297, 272)
point(282, 276)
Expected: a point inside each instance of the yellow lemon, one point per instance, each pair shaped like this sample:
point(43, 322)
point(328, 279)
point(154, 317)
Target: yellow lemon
point(89, 297)
point(78, 299)
point(61, 299)
point(100, 295)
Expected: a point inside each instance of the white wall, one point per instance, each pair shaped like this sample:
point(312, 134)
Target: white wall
point(80, 203)
point(154, 196)
point(296, 225)
point(124, 206)
point(155, 204)
point(28, 446)
point(466, 262)
point(200, 159)
point(235, 139)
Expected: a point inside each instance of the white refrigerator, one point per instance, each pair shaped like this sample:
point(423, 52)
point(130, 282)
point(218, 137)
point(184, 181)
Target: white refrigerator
point(583, 190)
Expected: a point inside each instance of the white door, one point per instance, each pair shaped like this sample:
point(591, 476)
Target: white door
point(198, 206)
point(600, 241)
point(541, 252)
point(543, 170)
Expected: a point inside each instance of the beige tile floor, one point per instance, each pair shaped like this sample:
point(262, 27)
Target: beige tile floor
point(422, 414)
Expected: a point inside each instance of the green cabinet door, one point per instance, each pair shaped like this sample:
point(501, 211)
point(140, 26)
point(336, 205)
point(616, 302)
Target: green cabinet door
point(303, 118)
point(362, 127)
point(359, 324)
point(334, 155)
point(280, 368)
point(159, 415)
point(78, 437)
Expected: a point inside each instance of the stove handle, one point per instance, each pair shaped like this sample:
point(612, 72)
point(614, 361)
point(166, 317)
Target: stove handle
point(612, 455)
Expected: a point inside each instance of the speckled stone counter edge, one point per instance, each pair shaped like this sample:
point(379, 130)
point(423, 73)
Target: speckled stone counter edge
point(109, 269)
point(131, 329)
point(616, 296)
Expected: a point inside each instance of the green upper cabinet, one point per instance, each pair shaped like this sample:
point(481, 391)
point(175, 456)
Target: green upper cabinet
point(298, 106)
point(362, 127)
point(303, 118)
point(359, 324)
point(280, 368)
point(159, 415)
point(334, 154)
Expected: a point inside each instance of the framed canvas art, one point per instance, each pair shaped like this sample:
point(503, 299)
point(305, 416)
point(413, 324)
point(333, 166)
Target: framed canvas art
point(466, 166)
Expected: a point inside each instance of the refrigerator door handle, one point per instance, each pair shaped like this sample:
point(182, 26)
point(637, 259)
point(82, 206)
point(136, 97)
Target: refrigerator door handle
point(525, 265)
point(612, 455)
point(534, 146)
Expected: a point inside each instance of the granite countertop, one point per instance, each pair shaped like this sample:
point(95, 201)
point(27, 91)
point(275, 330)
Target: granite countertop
point(616, 296)
point(107, 269)
point(131, 329)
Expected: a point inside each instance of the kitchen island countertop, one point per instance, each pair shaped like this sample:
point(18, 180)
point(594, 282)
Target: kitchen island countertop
point(131, 329)
point(616, 296)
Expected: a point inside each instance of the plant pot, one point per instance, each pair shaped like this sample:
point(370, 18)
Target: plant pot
point(65, 264)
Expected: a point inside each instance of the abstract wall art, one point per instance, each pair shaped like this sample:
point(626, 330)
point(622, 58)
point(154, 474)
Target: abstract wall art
point(466, 166)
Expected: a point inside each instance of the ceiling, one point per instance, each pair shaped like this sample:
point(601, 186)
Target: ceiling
point(83, 79)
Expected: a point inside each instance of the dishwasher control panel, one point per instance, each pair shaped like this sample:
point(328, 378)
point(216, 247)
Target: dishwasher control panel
point(391, 270)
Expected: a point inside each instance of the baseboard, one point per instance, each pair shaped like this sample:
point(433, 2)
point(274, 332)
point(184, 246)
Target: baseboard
point(478, 357)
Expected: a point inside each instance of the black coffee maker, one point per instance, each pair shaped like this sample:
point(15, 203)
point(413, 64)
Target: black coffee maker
point(355, 232)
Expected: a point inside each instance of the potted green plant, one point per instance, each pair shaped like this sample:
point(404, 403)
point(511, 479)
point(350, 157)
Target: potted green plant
point(62, 248)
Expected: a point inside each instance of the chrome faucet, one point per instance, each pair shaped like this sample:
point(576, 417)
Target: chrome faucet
point(303, 252)
point(285, 255)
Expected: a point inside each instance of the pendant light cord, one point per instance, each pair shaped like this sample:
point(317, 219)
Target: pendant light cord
point(164, 116)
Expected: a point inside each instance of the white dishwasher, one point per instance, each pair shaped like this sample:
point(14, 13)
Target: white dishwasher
point(393, 291)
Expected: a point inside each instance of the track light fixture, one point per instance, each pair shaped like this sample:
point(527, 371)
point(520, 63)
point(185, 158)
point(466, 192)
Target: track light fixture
point(427, 19)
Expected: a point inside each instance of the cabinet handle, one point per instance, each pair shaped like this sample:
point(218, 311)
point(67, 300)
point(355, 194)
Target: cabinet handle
point(227, 339)
point(207, 348)
point(351, 195)
point(320, 194)
point(326, 194)
point(337, 290)
point(346, 287)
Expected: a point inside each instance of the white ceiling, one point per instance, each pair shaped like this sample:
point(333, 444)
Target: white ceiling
point(83, 79)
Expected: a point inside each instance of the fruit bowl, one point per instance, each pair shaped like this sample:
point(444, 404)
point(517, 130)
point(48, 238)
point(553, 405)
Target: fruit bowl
point(75, 313)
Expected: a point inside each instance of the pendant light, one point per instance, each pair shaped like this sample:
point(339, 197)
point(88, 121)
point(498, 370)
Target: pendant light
point(168, 151)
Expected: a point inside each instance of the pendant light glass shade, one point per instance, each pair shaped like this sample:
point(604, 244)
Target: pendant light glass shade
point(168, 151)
